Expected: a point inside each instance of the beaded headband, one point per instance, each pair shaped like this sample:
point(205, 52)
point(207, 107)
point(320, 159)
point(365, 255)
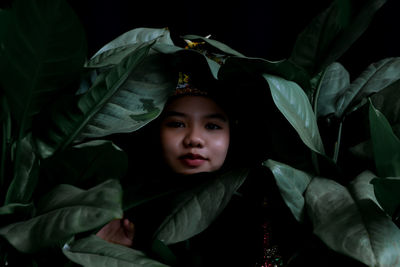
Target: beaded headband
point(184, 87)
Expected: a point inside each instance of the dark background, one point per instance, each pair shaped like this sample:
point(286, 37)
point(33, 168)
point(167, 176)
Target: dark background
point(266, 29)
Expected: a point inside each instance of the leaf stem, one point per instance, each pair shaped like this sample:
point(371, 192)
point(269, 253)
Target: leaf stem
point(315, 100)
point(5, 140)
point(337, 144)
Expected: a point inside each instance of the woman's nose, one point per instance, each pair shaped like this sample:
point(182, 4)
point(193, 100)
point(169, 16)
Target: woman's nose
point(193, 138)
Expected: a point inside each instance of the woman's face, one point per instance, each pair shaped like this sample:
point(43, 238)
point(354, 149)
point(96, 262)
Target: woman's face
point(194, 135)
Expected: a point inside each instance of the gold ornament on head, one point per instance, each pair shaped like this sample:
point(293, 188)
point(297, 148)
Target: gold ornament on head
point(184, 87)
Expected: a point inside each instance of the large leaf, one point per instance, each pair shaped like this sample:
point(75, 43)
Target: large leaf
point(64, 212)
point(113, 52)
point(44, 49)
point(86, 164)
point(200, 207)
point(332, 32)
point(26, 173)
point(292, 184)
point(350, 221)
point(121, 100)
point(295, 106)
point(376, 77)
point(96, 252)
point(385, 144)
point(334, 83)
point(137, 36)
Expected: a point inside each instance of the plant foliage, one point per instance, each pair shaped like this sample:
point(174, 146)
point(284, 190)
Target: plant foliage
point(60, 175)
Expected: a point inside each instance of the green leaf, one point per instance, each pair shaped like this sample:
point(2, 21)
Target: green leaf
point(138, 36)
point(350, 221)
point(199, 208)
point(283, 68)
point(333, 85)
point(385, 144)
point(26, 173)
point(376, 77)
point(295, 106)
point(113, 52)
point(121, 100)
point(332, 32)
point(214, 43)
point(86, 164)
point(44, 49)
point(292, 184)
point(96, 252)
point(64, 212)
point(387, 193)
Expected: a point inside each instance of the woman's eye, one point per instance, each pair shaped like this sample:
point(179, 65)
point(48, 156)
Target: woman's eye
point(175, 124)
point(213, 126)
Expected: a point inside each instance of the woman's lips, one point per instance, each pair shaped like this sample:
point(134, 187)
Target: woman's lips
point(192, 160)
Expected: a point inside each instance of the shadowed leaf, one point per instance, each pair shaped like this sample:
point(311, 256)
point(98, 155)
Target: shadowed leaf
point(44, 49)
point(64, 212)
point(332, 32)
point(385, 144)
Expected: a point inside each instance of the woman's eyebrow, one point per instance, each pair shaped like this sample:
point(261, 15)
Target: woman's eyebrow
point(218, 116)
point(171, 113)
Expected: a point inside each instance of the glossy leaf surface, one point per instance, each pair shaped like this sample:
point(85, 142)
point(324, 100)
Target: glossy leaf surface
point(116, 50)
point(350, 220)
point(295, 106)
point(121, 100)
point(334, 84)
point(96, 252)
point(199, 208)
point(137, 36)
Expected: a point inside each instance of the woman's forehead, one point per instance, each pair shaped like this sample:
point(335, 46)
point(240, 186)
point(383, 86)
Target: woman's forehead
point(190, 104)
